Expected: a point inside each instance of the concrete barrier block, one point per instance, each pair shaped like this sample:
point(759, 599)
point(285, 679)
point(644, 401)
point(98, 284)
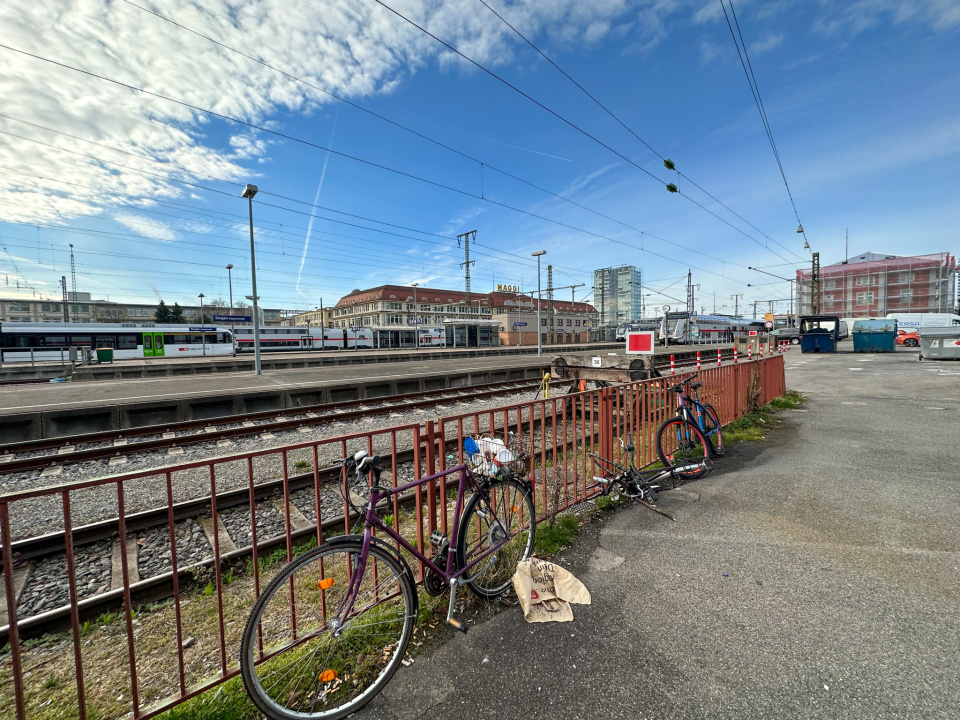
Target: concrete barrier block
point(20, 427)
point(408, 386)
point(59, 423)
point(151, 413)
point(260, 402)
point(304, 398)
point(375, 391)
point(211, 407)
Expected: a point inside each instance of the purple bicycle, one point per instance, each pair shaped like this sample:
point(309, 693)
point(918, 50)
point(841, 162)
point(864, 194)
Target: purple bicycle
point(332, 627)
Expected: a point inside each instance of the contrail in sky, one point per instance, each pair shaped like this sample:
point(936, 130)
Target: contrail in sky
point(306, 240)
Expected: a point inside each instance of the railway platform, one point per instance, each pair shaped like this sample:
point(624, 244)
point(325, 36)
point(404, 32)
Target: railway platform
point(48, 410)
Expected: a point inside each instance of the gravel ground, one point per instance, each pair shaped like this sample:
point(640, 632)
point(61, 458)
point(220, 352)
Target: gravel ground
point(154, 551)
point(47, 586)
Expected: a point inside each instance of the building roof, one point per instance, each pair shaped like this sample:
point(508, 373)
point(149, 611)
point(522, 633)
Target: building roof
point(404, 293)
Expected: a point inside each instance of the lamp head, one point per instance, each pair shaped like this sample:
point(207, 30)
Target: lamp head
point(230, 266)
point(249, 191)
point(538, 253)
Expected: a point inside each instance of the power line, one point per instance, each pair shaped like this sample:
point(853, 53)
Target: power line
point(316, 146)
point(481, 163)
point(621, 123)
point(755, 91)
point(555, 114)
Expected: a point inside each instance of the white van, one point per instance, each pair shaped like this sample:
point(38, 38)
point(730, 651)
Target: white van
point(916, 321)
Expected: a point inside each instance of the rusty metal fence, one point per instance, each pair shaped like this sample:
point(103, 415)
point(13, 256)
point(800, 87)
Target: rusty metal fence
point(204, 537)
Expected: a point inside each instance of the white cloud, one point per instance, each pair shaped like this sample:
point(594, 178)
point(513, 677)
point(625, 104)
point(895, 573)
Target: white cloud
point(856, 17)
point(767, 44)
point(353, 49)
point(143, 225)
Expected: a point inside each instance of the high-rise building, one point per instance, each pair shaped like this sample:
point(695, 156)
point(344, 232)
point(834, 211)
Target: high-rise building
point(617, 294)
point(874, 284)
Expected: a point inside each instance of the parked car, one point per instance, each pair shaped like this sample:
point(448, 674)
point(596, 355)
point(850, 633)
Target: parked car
point(908, 338)
point(788, 334)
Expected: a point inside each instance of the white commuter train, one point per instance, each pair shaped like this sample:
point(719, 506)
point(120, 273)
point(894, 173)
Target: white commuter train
point(709, 328)
point(304, 338)
point(40, 342)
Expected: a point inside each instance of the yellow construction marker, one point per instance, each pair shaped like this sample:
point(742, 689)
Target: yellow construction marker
point(325, 584)
point(328, 676)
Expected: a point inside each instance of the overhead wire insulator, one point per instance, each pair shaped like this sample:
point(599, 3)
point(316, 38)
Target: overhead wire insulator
point(671, 187)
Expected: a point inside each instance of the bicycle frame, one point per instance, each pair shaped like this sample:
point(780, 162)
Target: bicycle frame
point(373, 520)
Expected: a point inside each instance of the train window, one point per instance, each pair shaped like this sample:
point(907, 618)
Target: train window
point(54, 340)
point(211, 338)
point(148, 342)
point(105, 341)
point(128, 342)
point(81, 340)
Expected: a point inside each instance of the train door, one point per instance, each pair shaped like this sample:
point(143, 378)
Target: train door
point(158, 347)
point(148, 344)
point(306, 342)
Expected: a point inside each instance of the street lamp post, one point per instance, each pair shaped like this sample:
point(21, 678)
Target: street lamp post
point(249, 192)
point(416, 318)
point(203, 335)
point(233, 332)
point(538, 254)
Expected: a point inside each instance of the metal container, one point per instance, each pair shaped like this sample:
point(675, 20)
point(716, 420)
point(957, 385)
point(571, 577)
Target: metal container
point(105, 355)
point(875, 335)
point(940, 343)
point(819, 333)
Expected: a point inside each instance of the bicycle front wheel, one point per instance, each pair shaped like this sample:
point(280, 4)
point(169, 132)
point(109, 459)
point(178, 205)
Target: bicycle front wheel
point(496, 532)
point(302, 658)
point(680, 442)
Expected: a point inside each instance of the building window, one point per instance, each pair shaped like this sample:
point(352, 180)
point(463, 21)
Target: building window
point(865, 298)
point(906, 295)
point(543, 322)
point(50, 307)
point(395, 320)
point(19, 307)
point(861, 281)
point(569, 323)
point(905, 277)
point(138, 312)
point(577, 323)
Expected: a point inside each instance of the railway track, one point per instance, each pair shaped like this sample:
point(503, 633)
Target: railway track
point(117, 444)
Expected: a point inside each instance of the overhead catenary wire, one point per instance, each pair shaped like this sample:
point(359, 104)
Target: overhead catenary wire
point(482, 164)
point(755, 91)
point(626, 127)
point(320, 147)
point(558, 116)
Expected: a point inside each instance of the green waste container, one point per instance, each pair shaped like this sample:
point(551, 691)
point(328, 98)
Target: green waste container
point(105, 355)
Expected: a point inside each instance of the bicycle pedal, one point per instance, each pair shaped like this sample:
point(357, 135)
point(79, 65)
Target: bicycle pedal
point(458, 625)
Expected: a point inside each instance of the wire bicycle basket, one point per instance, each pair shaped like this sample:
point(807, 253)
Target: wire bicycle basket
point(491, 456)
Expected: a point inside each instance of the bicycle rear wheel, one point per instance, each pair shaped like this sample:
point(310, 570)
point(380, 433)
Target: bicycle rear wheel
point(680, 442)
point(500, 517)
point(300, 659)
point(714, 430)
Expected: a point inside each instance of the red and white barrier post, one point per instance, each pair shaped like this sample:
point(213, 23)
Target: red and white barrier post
point(719, 361)
point(734, 356)
point(749, 352)
point(698, 361)
point(673, 368)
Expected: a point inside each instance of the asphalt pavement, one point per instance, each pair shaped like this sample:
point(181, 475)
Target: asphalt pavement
point(816, 575)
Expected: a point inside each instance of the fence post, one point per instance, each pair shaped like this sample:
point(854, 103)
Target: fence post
point(607, 423)
point(431, 437)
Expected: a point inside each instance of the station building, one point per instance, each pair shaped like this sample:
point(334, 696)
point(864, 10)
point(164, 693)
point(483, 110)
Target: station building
point(480, 319)
point(874, 284)
point(86, 310)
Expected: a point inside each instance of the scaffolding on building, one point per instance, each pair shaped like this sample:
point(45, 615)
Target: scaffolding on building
point(881, 284)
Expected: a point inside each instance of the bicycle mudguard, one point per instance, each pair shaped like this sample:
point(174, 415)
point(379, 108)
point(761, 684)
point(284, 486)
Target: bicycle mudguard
point(390, 550)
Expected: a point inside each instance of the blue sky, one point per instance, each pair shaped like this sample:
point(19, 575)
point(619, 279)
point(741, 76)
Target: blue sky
point(863, 98)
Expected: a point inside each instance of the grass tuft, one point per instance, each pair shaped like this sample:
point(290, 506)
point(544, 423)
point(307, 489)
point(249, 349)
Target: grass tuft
point(552, 538)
